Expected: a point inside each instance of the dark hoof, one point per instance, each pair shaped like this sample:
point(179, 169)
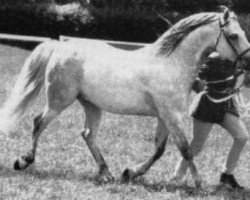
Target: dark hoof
point(127, 175)
point(105, 179)
point(22, 163)
point(198, 185)
point(17, 166)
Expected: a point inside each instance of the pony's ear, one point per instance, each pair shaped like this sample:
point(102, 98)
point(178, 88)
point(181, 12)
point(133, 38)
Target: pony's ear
point(226, 13)
point(222, 8)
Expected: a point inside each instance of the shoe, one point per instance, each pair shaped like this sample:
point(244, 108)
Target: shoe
point(229, 180)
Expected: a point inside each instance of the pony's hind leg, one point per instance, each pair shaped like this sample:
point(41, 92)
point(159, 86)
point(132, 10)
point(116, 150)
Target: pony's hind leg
point(91, 125)
point(40, 122)
point(162, 134)
point(57, 99)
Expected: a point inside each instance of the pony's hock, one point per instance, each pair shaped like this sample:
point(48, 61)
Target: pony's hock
point(85, 133)
point(154, 80)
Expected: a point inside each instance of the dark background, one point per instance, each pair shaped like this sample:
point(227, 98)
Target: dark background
point(126, 20)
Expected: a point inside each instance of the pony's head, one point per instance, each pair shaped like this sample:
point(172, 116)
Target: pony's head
point(232, 43)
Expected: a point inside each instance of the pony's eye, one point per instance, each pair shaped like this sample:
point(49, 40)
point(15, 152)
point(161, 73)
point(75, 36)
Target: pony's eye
point(233, 36)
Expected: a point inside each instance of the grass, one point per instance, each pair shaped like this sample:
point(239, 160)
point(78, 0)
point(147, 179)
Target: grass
point(65, 169)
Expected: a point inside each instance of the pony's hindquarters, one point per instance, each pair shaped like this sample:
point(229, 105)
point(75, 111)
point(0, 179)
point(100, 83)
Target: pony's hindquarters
point(27, 86)
point(63, 76)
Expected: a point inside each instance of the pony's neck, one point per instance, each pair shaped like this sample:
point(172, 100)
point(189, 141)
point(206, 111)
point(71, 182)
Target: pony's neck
point(197, 44)
point(190, 54)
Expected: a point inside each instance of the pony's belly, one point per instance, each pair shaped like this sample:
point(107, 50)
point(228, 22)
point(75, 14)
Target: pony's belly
point(126, 102)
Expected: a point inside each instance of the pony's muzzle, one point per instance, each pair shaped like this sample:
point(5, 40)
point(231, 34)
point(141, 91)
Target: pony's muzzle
point(245, 56)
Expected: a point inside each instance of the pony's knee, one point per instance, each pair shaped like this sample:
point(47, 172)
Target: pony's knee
point(183, 147)
point(186, 152)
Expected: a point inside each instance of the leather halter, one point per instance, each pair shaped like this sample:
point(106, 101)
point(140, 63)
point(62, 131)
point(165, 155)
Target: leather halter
point(243, 66)
point(238, 55)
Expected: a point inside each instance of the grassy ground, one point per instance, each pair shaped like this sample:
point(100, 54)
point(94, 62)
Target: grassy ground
point(65, 169)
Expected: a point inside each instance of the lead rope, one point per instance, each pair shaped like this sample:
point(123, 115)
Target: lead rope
point(243, 105)
point(221, 99)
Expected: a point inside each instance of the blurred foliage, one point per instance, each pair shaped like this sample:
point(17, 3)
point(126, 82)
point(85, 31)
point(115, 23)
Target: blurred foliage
point(170, 5)
point(242, 5)
point(129, 20)
point(43, 19)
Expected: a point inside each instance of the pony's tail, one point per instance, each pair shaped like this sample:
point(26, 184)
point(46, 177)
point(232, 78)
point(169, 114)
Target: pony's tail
point(27, 86)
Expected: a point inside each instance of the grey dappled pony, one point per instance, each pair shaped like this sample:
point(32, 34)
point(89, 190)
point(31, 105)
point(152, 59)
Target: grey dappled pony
point(153, 81)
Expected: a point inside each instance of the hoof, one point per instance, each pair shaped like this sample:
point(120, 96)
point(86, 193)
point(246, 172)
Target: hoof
point(17, 166)
point(105, 179)
point(198, 184)
point(22, 163)
point(127, 175)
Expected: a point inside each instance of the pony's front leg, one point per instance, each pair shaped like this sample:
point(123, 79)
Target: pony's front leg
point(174, 123)
point(162, 134)
point(91, 125)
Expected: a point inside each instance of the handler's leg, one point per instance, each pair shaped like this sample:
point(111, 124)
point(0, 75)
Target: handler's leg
point(238, 131)
point(200, 133)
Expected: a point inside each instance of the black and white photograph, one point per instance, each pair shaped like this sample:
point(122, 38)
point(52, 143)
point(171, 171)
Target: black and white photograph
point(124, 99)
